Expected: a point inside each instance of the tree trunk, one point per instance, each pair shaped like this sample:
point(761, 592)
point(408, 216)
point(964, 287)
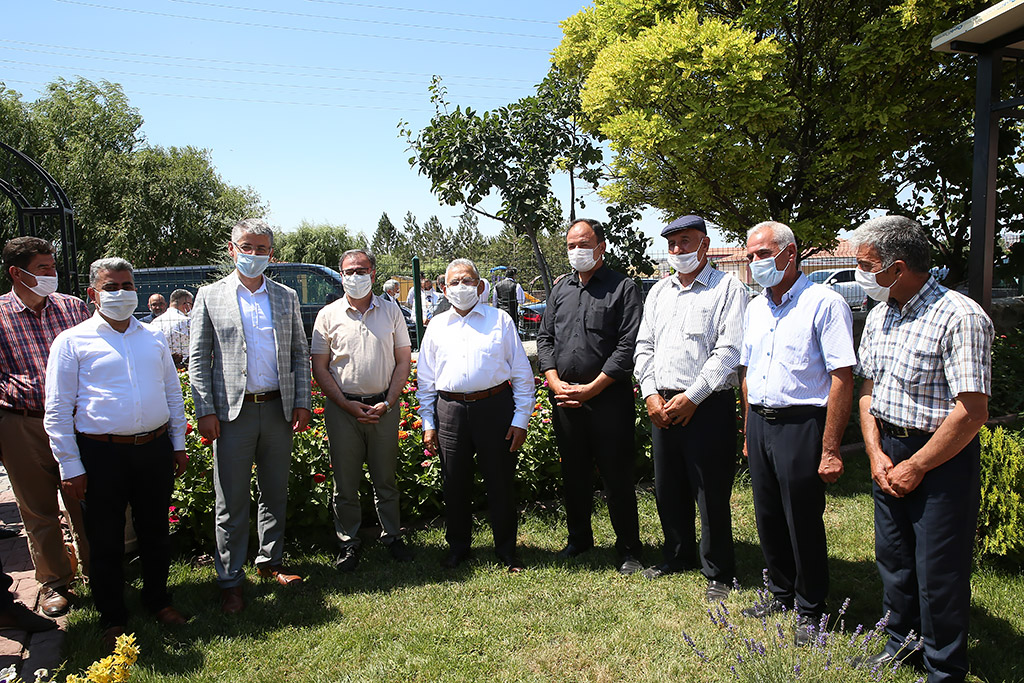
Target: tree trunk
point(542, 263)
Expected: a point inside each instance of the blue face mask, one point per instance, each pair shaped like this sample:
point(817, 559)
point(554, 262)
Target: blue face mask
point(251, 265)
point(765, 273)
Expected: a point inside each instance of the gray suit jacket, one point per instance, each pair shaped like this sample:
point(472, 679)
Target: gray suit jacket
point(217, 349)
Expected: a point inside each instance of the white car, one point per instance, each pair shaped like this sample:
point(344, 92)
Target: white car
point(842, 280)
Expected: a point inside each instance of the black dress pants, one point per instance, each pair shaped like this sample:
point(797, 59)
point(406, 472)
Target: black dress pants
point(923, 546)
point(600, 432)
point(697, 462)
point(6, 598)
point(119, 474)
point(789, 501)
point(465, 428)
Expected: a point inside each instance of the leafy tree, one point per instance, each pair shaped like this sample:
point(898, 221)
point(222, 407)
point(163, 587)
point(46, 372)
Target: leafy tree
point(803, 112)
point(386, 238)
point(510, 152)
point(322, 243)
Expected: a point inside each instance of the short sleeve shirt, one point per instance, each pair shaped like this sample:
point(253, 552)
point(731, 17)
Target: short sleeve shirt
point(361, 346)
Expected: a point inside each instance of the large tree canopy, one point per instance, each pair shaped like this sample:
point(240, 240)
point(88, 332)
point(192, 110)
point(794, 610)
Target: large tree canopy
point(745, 110)
point(153, 205)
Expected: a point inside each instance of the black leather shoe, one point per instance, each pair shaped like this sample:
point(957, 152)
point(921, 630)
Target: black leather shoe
point(762, 611)
point(717, 591)
point(348, 559)
point(400, 552)
point(19, 617)
point(806, 631)
point(885, 659)
point(629, 565)
point(570, 551)
point(453, 559)
point(657, 571)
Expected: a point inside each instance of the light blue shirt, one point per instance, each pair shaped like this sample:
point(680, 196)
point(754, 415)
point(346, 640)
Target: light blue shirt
point(790, 349)
point(260, 346)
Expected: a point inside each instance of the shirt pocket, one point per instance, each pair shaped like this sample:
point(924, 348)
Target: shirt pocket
point(697, 321)
point(597, 318)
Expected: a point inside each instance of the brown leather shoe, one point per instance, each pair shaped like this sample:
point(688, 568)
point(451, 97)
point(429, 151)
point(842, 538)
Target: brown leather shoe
point(279, 573)
point(169, 616)
point(110, 637)
point(54, 602)
point(231, 600)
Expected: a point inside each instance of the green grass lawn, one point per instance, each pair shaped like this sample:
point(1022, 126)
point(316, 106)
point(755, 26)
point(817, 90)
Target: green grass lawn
point(572, 621)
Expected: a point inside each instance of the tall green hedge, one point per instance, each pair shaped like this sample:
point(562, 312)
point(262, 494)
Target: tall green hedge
point(1001, 518)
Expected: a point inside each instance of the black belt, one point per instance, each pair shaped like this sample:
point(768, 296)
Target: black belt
point(133, 439)
point(899, 432)
point(262, 398)
point(475, 395)
point(790, 413)
point(23, 411)
point(669, 394)
point(371, 400)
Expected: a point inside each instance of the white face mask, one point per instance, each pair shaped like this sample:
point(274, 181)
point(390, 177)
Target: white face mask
point(251, 265)
point(869, 281)
point(45, 284)
point(765, 273)
point(119, 304)
point(685, 263)
point(463, 297)
point(357, 286)
point(582, 260)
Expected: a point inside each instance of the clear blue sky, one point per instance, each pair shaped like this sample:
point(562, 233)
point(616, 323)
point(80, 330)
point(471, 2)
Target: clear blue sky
point(299, 99)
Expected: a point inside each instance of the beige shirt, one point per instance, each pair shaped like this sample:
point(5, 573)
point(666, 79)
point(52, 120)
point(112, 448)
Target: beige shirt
point(361, 346)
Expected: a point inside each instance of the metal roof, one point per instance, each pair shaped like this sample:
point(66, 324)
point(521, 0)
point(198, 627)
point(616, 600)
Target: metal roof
point(1001, 22)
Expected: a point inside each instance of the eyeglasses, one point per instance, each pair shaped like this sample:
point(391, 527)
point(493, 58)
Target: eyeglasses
point(471, 281)
point(250, 249)
point(356, 271)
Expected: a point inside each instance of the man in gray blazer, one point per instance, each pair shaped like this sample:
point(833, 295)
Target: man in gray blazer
point(249, 364)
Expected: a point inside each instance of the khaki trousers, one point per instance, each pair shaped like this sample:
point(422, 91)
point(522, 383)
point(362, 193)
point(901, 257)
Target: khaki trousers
point(35, 479)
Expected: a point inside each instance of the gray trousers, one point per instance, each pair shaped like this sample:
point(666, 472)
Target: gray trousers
point(352, 444)
point(260, 435)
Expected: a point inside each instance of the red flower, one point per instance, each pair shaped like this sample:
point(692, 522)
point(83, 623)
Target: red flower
point(417, 424)
point(173, 519)
point(188, 427)
point(318, 411)
point(319, 478)
point(203, 440)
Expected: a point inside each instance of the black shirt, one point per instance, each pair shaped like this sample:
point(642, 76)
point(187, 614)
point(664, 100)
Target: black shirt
point(587, 330)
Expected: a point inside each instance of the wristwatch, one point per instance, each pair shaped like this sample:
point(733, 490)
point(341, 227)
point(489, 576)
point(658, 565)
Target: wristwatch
point(388, 406)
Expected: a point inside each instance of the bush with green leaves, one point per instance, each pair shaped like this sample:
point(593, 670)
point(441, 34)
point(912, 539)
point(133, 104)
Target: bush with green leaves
point(538, 474)
point(1001, 518)
point(1007, 374)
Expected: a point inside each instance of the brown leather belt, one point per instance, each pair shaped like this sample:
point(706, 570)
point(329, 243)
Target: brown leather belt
point(133, 439)
point(899, 432)
point(262, 398)
point(474, 396)
point(23, 411)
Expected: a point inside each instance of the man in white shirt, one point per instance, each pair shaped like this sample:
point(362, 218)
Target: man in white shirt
point(428, 298)
point(175, 323)
point(116, 422)
point(249, 366)
point(476, 393)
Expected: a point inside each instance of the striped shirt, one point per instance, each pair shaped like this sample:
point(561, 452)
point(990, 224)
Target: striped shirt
point(790, 349)
point(921, 357)
point(25, 339)
point(690, 336)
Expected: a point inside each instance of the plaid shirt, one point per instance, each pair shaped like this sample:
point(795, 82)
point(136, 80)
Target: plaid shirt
point(25, 338)
point(921, 358)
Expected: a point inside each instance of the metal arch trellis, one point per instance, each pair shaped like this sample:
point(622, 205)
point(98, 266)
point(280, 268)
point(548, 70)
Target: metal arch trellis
point(30, 218)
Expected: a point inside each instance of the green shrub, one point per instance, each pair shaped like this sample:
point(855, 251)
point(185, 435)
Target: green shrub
point(1007, 374)
point(1001, 518)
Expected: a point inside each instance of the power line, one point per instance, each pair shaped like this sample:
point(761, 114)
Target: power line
point(315, 67)
point(239, 83)
point(303, 15)
point(276, 27)
point(432, 11)
point(122, 60)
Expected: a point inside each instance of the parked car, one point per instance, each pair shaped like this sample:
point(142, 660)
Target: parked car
point(842, 280)
point(529, 319)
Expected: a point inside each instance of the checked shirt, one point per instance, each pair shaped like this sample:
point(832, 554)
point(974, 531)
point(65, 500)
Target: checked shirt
point(921, 358)
point(25, 339)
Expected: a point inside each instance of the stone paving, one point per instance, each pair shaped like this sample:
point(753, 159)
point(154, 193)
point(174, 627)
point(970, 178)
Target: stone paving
point(28, 652)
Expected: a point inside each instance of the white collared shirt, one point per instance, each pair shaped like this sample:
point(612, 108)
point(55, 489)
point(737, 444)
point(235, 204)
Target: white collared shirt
point(260, 346)
point(464, 354)
point(175, 325)
point(101, 381)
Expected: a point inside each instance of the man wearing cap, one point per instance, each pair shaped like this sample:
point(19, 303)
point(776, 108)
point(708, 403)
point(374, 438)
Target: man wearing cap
point(798, 354)
point(687, 352)
point(32, 314)
point(926, 361)
point(585, 350)
point(361, 360)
